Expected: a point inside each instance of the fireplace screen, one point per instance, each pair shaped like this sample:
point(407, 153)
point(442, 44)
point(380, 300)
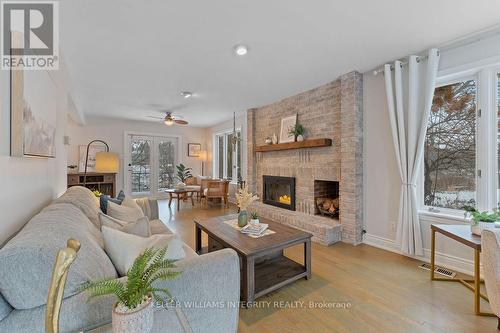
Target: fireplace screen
point(279, 191)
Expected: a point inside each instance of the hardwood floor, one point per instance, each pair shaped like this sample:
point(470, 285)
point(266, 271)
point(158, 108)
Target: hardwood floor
point(371, 290)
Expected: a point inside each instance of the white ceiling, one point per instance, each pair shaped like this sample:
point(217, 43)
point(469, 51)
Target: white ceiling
point(128, 58)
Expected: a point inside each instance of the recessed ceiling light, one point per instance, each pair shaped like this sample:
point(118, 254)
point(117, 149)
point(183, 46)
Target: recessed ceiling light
point(186, 94)
point(240, 50)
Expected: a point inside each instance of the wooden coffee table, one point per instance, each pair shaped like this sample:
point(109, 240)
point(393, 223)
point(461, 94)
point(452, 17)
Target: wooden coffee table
point(264, 268)
point(179, 194)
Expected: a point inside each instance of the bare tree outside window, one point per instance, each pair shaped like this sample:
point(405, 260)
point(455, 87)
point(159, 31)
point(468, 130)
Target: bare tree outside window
point(166, 165)
point(228, 156)
point(450, 147)
point(140, 165)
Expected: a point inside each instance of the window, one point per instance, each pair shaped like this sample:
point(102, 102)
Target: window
point(450, 147)
point(461, 164)
point(227, 156)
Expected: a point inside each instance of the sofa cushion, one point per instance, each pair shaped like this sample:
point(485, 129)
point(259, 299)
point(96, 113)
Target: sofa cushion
point(27, 260)
point(124, 248)
point(85, 200)
point(5, 308)
point(103, 201)
point(126, 211)
point(149, 207)
point(138, 228)
point(158, 227)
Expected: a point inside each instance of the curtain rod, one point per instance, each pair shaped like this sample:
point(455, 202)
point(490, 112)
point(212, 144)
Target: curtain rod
point(403, 63)
point(456, 43)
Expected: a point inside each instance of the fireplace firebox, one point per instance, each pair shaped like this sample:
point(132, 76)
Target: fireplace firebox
point(279, 191)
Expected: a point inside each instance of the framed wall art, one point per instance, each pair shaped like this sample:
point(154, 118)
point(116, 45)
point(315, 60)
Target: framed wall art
point(194, 149)
point(286, 125)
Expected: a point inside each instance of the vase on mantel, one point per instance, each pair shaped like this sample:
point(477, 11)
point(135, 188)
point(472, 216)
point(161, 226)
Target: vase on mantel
point(300, 138)
point(242, 218)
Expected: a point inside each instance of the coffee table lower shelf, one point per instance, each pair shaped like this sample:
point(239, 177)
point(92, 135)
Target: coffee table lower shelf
point(275, 273)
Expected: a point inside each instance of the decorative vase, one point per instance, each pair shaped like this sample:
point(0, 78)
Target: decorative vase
point(477, 227)
point(268, 141)
point(242, 218)
point(275, 139)
point(300, 138)
point(180, 185)
point(139, 320)
point(254, 221)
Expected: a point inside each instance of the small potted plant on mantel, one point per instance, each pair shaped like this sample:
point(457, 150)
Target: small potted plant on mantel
point(134, 310)
point(481, 220)
point(298, 131)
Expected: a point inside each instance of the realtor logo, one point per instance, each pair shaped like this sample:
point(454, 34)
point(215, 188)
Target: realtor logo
point(30, 35)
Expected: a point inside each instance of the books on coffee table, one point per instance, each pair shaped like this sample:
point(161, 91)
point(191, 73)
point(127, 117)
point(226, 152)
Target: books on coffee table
point(255, 229)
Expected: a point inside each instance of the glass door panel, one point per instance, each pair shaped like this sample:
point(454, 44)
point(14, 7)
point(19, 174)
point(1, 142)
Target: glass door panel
point(140, 165)
point(167, 160)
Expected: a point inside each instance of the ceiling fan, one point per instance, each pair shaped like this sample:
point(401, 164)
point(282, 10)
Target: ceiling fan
point(170, 119)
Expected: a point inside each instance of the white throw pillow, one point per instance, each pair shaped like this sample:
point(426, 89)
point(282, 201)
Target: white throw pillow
point(123, 212)
point(123, 248)
point(140, 227)
point(174, 245)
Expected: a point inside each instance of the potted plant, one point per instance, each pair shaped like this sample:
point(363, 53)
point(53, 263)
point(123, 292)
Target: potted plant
point(134, 310)
point(183, 173)
point(243, 199)
point(481, 220)
point(298, 131)
point(254, 218)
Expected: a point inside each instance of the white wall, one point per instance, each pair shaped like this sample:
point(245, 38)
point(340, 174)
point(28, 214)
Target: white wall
point(112, 132)
point(28, 184)
point(382, 183)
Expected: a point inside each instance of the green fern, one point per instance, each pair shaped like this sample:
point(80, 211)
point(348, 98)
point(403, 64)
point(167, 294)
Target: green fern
point(147, 268)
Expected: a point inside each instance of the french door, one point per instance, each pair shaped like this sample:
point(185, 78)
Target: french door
point(151, 162)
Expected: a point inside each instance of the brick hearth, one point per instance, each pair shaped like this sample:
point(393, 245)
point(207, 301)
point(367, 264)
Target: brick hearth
point(331, 111)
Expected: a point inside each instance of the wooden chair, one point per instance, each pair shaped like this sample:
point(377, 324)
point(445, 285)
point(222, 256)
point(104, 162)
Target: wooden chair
point(64, 259)
point(203, 186)
point(217, 189)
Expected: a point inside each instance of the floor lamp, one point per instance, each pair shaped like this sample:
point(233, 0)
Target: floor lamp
point(105, 161)
point(202, 155)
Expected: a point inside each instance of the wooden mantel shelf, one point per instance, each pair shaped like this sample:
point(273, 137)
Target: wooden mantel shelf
point(312, 143)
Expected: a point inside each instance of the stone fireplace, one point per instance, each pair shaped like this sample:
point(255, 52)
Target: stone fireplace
point(330, 174)
point(279, 191)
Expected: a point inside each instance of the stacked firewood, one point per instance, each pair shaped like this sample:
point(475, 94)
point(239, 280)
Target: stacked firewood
point(328, 205)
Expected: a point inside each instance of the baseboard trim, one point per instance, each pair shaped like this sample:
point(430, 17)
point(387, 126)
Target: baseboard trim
point(454, 263)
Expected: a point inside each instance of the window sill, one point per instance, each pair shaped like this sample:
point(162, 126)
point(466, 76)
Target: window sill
point(441, 217)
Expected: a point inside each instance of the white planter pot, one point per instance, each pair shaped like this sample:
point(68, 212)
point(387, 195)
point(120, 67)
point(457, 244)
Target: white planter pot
point(139, 320)
point(478, 227)
point(254, 221)
point(300, 138)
